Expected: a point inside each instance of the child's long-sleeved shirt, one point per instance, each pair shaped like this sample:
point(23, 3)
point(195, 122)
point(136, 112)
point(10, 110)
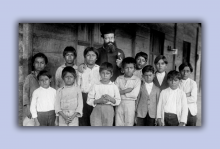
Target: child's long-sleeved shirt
point(101, 89)
point(173, 101)
point(30, 84)
point(124, 83)
point(69, 98)
point(58, 76)
point(190, 86)
point(88, 78)
point(43, 100)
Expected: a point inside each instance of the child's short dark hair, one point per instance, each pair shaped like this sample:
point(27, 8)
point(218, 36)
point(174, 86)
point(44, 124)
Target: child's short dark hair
point(44, 73)
point(159, 58)
point(173, 74)
point(142, 54)
point(70, 70)
point(183, 65)
point(148, 68)
point(40, 55)
point(88, 49)
point(69, 49)
point(128, 60)
point(106, 66)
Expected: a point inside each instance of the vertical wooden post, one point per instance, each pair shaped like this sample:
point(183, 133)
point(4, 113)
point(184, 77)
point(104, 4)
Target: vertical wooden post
point(174, 46)
point(28, 47)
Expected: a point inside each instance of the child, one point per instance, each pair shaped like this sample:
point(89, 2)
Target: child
point(88, 78)
point(189, 86)
point(69, 55)
point(172, 107)
point(39, 62)
point(43, 100)
point(69, 102)
point(141, 61)
point(160, 80)
point(103, 97)
point(147, 99)
point(129, 86)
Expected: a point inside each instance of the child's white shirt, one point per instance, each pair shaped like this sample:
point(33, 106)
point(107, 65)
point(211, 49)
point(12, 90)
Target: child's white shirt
point(43, 100)
point(190, 86)
point(88, 78)
point(149, 87)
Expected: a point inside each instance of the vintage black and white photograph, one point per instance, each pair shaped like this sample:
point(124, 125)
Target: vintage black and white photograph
point(110, 74)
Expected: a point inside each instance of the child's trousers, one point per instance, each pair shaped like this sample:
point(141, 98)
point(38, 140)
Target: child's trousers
point(171, 119)
point(191, 120)
point(125, 113)
point(102, 115)
point(46, 118)
point(75, 121)
point(147, 121)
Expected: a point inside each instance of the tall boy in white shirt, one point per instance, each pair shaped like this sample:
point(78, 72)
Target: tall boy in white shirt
point(88, 78)
point(129, 86)
point(189, 86)
point(43, 101)
point(172, 109)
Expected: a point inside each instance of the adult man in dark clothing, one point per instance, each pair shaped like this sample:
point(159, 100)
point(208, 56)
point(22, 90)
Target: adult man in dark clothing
point(109, 51)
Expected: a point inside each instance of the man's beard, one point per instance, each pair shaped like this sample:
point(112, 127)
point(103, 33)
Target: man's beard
point(110, 46)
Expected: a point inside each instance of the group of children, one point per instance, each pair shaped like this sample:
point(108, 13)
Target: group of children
point(141, 97)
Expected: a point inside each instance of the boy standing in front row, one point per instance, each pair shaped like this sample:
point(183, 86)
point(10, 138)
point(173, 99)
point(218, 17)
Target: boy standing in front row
point(172, 109)
point(129, 86)
point(146, 105)
point(103, 97)
point(43, 101)
point(69, 103)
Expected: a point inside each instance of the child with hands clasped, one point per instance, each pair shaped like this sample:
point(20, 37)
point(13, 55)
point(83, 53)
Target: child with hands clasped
point(172, 109)
point(69, 103)
point(43, 101)
point(103, 97)
point(129, 86)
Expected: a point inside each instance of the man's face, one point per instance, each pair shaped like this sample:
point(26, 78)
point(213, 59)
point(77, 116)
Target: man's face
point(109, 42)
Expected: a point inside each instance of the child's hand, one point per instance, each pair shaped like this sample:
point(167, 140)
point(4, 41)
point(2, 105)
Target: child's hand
point(82, 67)
point(36, 122)
point(159, 123)
point(28, 111)
point(110, 99)
point(188, 94)
point(57, 121)
point(128, 90)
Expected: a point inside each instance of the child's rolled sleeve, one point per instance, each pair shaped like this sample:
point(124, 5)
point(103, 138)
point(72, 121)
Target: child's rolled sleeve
point(33, 107)
point(91, 97)
point(79, 108)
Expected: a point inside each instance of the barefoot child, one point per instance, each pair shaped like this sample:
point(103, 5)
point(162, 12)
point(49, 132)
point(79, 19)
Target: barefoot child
point(103, 97)
point(69, 103)
point(43, 101)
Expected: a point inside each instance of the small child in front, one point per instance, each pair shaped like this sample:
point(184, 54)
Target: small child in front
point(129, 86)
point(103, 97)
point(189, 86)
point(172, 109)
point(69, 103)
point(43, 101)
point(148, 99)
